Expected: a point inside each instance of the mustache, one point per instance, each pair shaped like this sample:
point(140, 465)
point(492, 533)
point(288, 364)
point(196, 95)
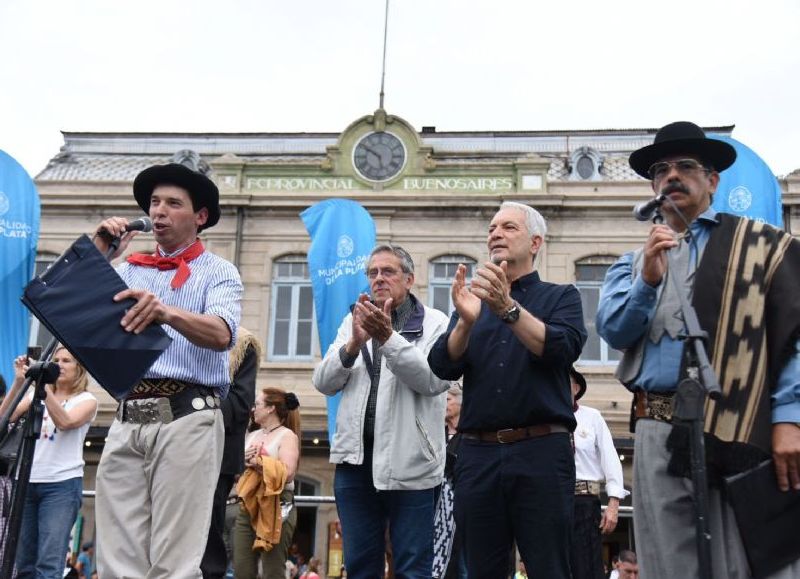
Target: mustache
point(673, 187)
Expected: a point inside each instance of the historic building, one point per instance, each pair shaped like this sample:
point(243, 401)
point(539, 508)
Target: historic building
point(431, 192)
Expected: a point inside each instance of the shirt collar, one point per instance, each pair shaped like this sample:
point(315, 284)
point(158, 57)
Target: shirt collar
point(526, 281)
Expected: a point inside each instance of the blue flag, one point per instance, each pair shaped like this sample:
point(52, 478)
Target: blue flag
point(342, 237)
point(19, 232)
point(748, 188)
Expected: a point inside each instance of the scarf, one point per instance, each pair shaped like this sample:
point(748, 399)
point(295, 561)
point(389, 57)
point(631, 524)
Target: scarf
point(179, 262)
point(745, 298)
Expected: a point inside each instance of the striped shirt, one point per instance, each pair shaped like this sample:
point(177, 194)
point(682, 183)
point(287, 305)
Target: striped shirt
point(213, 288)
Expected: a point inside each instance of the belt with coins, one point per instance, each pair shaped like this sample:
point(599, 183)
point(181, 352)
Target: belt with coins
point(165, 400)
point(655, 405)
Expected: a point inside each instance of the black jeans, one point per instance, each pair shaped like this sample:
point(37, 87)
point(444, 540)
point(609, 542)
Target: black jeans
point(521, 491)
point(587, 557)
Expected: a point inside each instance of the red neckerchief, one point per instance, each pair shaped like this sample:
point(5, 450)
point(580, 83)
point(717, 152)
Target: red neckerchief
point(178, 262)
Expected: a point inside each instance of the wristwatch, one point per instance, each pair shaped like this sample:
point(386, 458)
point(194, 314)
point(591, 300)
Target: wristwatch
point(511, 315)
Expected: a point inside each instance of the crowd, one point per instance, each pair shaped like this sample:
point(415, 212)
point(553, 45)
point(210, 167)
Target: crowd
point(457, 441)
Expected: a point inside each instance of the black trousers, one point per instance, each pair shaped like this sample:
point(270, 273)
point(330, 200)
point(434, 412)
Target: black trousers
point(586, 556)
point(215, 560)
point(521, 491)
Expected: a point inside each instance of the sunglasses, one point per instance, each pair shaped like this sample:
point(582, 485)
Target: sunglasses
point(658, 171)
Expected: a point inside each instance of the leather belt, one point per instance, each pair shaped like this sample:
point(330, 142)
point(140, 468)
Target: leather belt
point(655, 405)
point(587, 487)
point(165, 409)
point(508, 435)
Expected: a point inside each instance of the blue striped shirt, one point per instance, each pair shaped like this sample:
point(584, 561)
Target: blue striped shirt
point(214, 288)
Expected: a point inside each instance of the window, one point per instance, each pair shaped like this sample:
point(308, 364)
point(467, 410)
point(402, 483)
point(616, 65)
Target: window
point(589, 276)
point(39, 335)
point(442, 271)
point(585, 164)
point(292, 335)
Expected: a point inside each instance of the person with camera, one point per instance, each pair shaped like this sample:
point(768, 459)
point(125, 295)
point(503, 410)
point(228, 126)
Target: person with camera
point(56, 484)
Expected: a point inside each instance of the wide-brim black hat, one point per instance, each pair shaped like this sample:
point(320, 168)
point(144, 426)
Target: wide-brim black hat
point(203, 191)
point(683, 138)
point(578, 378)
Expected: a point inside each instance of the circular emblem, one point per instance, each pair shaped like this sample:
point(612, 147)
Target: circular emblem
point(740, 199)
point(344, 247)
point(198, 403)
point(210, 401)
point(4, 204)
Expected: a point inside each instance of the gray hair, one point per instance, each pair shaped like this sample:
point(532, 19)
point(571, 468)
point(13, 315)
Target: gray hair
point(533, 219)
point(455, 390)
point(406, 263)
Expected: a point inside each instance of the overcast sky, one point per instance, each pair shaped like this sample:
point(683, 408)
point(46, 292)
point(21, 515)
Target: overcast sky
point(314, 65)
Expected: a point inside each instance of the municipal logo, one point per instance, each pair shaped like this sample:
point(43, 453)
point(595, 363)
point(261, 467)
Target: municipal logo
point(740, 199)
point(4, 205)
point(344, 247)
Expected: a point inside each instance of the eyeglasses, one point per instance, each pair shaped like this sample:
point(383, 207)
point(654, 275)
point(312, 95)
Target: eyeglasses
point(386, 272)
point(659, 170)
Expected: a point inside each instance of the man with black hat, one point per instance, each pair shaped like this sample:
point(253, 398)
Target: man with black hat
point(596, 460)
point(158, 472)
point(742, 278)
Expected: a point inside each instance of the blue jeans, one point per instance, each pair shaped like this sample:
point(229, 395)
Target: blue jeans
point(50, 512)
point(365, 513)
point(522, 491)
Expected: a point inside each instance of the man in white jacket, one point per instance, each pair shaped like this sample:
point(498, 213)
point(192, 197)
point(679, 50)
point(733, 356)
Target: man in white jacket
point(389, 442)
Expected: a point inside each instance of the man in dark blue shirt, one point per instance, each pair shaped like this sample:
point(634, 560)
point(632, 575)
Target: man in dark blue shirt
point(513, 338)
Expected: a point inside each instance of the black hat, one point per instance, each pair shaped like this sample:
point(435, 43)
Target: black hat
point(578, 378)
point(203, 191)
point(687, 138)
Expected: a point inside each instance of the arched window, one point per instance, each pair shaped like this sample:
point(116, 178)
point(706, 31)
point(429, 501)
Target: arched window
point(589, 275)
point(292, 312)
point(442, 271)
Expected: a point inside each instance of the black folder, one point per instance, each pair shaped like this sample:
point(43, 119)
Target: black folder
point(73, 298)
point(768, 518)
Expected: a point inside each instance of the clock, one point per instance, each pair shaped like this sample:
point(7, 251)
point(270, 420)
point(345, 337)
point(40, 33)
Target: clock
point(379, 156)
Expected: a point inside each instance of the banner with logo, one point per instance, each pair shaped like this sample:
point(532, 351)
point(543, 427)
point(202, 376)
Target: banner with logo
point(19, 232)
point(748, 188)
point(342, 237)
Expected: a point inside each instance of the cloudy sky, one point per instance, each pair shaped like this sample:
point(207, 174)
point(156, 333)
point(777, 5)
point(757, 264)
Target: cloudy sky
point(314, 65)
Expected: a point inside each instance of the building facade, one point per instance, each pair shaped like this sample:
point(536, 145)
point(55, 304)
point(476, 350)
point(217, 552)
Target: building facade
point(431, 192)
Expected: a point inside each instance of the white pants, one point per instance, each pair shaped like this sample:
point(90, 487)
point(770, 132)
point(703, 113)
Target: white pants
point(155, 487)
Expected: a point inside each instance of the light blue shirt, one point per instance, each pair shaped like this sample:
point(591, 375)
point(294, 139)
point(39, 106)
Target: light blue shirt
point(213, 288)
point(627, 306)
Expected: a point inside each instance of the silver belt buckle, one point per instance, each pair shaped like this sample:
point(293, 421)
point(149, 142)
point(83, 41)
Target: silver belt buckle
point(148, 411)
point(501, 433)
point(164, 410)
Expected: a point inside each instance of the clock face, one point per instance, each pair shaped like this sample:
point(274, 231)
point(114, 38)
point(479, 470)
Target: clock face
point(379, 156)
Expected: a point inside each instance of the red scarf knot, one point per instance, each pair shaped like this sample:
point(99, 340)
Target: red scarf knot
point(179, 262)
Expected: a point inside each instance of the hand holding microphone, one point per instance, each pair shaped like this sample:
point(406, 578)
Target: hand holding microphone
point(110, 235)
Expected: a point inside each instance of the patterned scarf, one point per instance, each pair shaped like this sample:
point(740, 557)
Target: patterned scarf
point(745, 298)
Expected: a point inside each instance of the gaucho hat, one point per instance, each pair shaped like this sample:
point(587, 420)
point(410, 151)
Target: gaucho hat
point(683, 138)
point(203, 191)
point(578, 378)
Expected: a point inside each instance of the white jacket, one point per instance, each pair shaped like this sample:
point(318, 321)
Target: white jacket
point(409, 417)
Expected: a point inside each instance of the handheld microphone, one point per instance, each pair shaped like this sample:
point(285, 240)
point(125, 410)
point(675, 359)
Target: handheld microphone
point(143, 224)
point(645, 211)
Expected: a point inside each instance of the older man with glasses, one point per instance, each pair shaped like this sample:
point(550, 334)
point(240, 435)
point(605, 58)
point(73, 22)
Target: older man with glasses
point(742, 276)
point(389, 446)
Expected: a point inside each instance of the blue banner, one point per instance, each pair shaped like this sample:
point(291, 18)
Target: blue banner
point(748, 188)
point(19, 232)
point(342, 237)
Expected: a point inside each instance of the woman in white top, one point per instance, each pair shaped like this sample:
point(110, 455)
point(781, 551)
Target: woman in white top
point(275, 433)
point(54, 495)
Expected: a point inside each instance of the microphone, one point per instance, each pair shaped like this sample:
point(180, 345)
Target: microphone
point(143, 224)
point(645, 211)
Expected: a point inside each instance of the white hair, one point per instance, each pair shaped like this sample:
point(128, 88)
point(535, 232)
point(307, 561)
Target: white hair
point(533, 219)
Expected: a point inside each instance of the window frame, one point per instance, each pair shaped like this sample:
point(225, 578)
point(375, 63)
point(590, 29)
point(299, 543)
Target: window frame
point(296, 284)
point(440, 282)
point(605, 350)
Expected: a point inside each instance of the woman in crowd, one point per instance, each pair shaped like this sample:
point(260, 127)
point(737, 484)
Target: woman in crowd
point(276, 436)
point(56, 483)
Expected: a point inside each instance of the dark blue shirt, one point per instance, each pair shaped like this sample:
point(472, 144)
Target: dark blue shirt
point(505, 384)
